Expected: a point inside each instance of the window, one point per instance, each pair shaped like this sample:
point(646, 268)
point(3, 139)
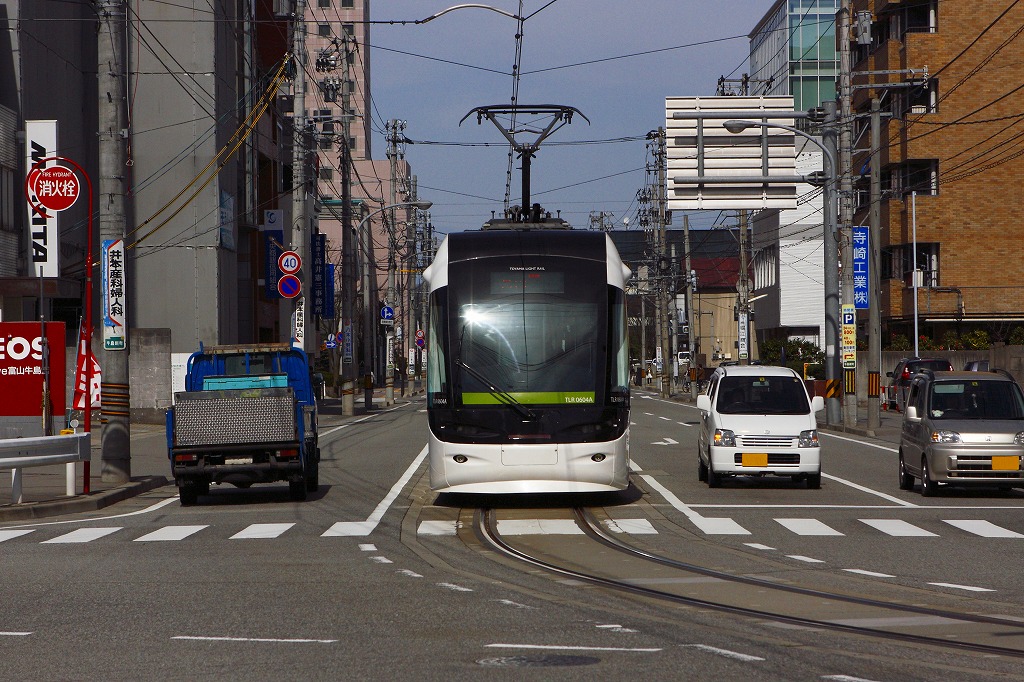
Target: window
point(349, 29)
point(323, 30)
point(348, 4)
point(919, 175)
point(326, 174)
point(324, 3)
point(897, 260)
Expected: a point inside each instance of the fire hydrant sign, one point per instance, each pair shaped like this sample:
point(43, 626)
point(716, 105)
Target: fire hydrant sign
point(55, 188)
point(21, 368)
point(115, 333)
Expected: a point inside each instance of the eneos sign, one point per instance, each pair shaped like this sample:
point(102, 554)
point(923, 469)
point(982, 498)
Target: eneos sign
point(21, 368)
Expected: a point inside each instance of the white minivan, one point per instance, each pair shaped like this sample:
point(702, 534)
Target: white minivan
point(758, 420)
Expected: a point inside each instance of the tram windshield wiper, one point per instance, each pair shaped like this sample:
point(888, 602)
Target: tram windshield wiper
point(503, 397)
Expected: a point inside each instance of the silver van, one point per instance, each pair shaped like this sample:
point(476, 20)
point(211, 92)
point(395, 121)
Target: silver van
point(758, 421)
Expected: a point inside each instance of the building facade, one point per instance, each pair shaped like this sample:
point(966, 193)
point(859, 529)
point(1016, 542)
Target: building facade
point(951, 163)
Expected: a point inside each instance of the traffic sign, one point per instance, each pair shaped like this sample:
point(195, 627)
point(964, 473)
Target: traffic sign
point(387, 313)
point(332, 341)
point(419, 342)
point(55, 188)
point(419, 333)
point(289, 286)
point(289, 262)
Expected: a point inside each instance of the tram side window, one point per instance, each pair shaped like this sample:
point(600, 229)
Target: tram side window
point(437, 374)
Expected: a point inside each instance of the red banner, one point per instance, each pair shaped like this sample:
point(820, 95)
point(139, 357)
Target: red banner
point(21, 368)
point(85, 354)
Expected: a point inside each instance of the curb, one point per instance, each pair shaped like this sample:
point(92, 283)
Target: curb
point(81, 503)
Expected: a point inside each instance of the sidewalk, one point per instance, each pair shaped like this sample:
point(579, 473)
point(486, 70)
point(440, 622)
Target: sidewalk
point(44, 489)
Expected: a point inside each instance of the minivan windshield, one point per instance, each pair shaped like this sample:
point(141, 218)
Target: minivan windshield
point(754, 394)
point(966, 399)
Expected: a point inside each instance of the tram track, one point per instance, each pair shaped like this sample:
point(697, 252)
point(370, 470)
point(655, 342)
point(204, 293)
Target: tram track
point(740, 594)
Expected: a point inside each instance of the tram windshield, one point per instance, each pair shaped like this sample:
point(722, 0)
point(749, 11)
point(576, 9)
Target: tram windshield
point(528, 335)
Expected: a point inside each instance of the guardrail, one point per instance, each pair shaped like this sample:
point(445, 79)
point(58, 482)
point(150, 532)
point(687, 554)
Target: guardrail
point(18, 453)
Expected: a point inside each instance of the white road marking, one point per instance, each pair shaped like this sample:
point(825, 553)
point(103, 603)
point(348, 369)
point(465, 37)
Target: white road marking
point(364, 528)
point(898, 528)
point(667, 441)
point(367, 548)
point(559, 647)
point(897, 621)
point(381, 560)
point(11, 534)
point(81, 535)
point(808, 527)
point(725, 652)
point(15, 634)
point(709, 526)
point(514, 604)
point(688, 425)
point(255, 639)
point(615, 628)
point(363, 419)
point(410, 574)
point(153, 507)
point(170, 533)
point(884, 496)
point(262, 531)
point(985, 529)
point(969, 588)
point(846, 678)
point(665, 418)
point(539, 527)
point(453, 587)
point(438, 528)
point(631, 526)
point(860, 442)
point(757, 545)
point(870, 574)
point(805, 559)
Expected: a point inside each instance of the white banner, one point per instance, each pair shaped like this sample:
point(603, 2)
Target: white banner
point(115, 331)
point(43, 237)
point(299, 323)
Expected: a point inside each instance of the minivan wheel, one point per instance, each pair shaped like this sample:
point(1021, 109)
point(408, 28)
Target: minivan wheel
point(714, 479)
point(814, 480)
point(906, 480)
point(928, 487)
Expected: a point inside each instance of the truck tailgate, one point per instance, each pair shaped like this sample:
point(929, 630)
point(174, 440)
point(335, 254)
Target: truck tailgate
point(263, 415)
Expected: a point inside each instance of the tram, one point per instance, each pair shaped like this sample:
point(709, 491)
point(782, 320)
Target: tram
point(527, 363)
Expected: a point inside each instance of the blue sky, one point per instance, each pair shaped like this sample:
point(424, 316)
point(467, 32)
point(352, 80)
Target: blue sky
point(622, 95)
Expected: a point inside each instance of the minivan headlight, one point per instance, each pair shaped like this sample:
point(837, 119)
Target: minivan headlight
point(725, 438)
point(946, 437)
point(1019, 439)
point(809, 439)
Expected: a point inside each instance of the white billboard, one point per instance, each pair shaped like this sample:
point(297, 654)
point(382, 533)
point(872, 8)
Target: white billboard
point(706, 161)
point(43, 237)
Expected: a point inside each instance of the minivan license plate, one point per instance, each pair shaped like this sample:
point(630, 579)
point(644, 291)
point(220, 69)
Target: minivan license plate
point(1005, 463)
point(754, 459)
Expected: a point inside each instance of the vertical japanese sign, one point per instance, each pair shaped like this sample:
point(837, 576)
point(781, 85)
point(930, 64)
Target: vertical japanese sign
point(85, 355)
point(848, 338)
point(861, 249)
point(318, 250)
point(44, 240)
point(299, 323)
point(329, 313)
point(273, 247)
point(115, 332)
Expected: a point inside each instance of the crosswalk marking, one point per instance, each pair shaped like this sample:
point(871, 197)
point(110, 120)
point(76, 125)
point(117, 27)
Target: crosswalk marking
point(170, 533)
point(262, 531)
point(11, 534)
point(538, 527)
point(808, 527)
point(438, 528)
point(81, 535)
point(898, 528)
point(719, 526)
point(631, 526)
point(985, 529)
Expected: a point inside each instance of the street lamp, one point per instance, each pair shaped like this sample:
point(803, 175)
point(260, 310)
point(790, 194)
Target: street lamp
point(368, 331)
point(466, 6)
point(833, 411)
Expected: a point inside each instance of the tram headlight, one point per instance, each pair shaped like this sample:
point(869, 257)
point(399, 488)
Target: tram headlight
point(460, 459)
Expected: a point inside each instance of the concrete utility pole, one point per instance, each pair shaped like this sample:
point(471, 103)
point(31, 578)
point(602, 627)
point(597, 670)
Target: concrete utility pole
point(830, 243)
point(348, 247)
point(743, 287)
point(300, 235)
point(663, 294)
point(111, 73)
point(846, 195)
point(395, 129)
point(689, 303)
point(874, 276)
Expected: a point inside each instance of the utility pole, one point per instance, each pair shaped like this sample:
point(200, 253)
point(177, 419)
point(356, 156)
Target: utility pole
point(874, 276)
point(300, 234)
point(663, 271)
point(846, 196)
point(348, 247)
point(743, 288)
point(394, 128)
point(830, 243)
point(690, 285)
point(111, 72)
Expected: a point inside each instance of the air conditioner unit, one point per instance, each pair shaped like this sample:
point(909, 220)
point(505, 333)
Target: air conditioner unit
point(919, 109)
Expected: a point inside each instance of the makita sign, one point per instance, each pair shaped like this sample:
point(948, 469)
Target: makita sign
point(21, 368)
point(44, 241)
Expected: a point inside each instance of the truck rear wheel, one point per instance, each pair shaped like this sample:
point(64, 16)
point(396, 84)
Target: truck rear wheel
point(313, 478)
point(188, 493)
point(297, 489)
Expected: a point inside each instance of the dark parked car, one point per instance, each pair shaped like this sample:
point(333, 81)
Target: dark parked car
point(976, 366)
point(904, 372)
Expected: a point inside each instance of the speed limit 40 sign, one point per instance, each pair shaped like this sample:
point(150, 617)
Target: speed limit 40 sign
point(289, 262)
